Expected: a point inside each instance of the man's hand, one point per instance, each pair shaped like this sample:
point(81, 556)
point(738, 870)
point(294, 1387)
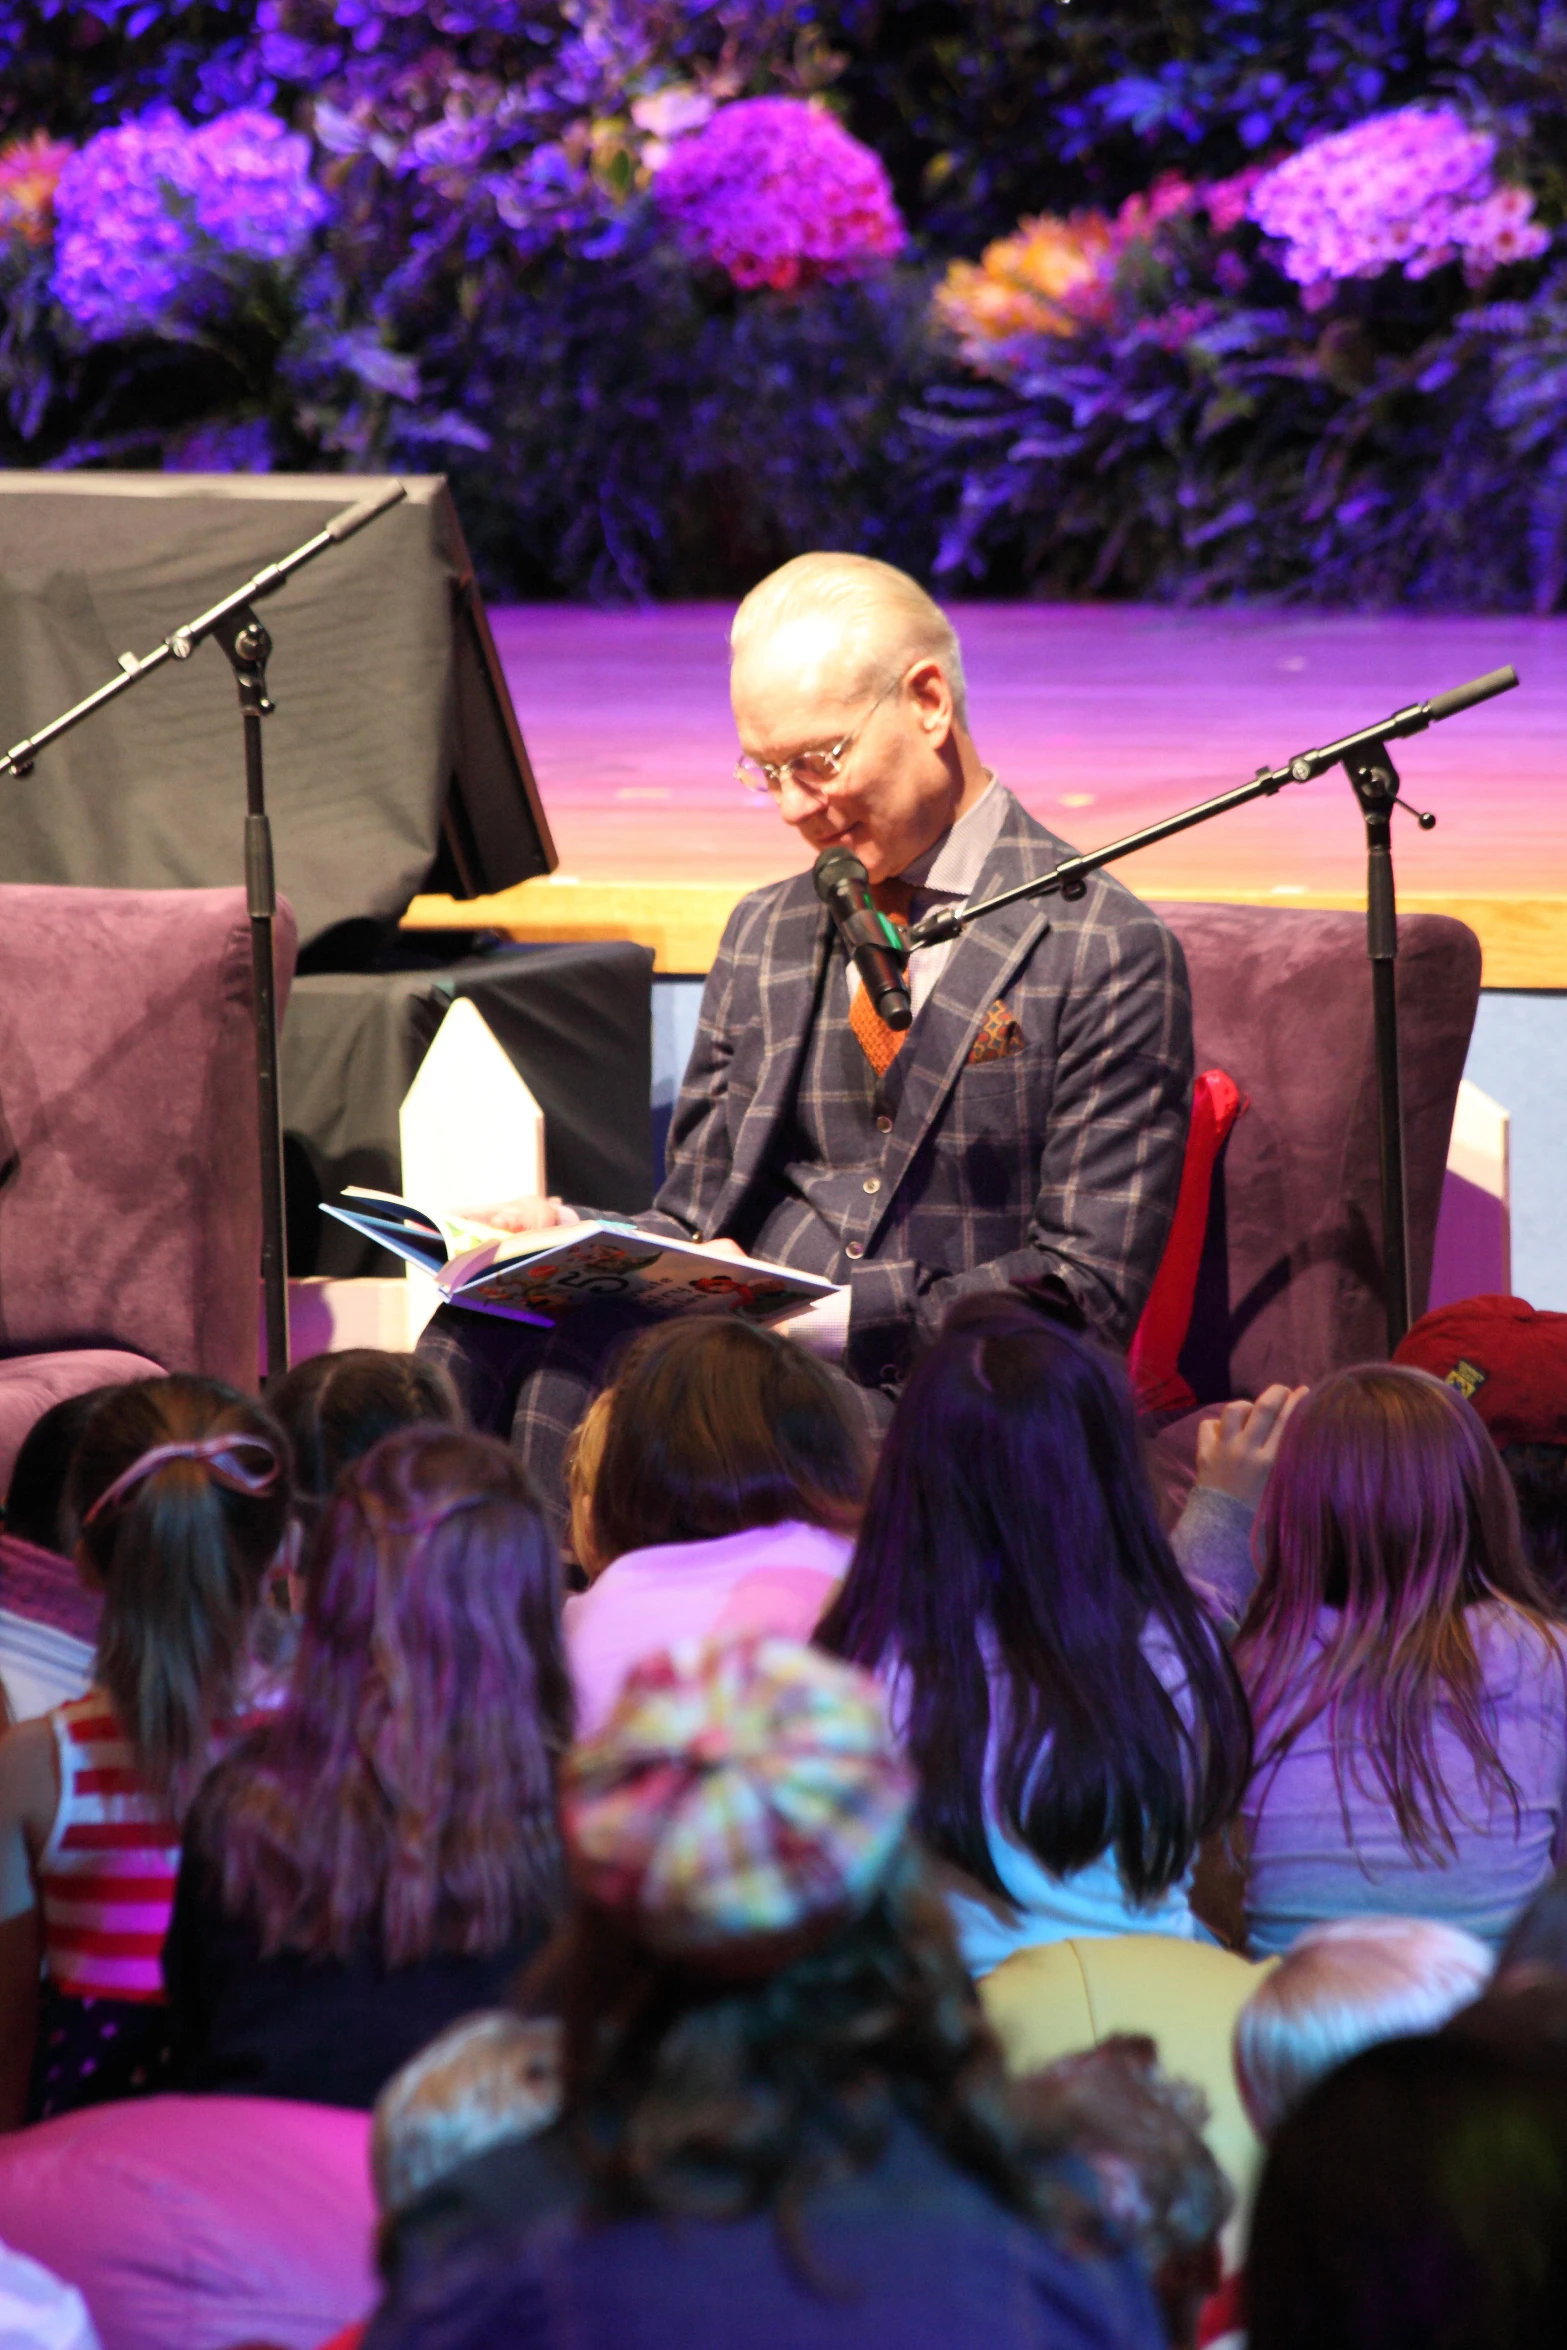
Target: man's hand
point(720, 1248)
point(1236, 1451)
point(528, 1214)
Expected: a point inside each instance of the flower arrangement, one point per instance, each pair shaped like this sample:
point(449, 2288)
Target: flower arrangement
point(149, 215)
point(29, 173)
point(1411, 190)
point(1059, 276)
point(777, 193)
point(1049, 278)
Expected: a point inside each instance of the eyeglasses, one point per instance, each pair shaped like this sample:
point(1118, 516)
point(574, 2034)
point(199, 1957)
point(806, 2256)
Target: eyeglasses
point(815, 771)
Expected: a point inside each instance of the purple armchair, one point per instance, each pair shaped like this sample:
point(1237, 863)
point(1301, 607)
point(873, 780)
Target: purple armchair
point(1290, 1286)
point(130, 1215)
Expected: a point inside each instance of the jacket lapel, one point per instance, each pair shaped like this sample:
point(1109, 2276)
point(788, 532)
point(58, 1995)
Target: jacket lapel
point(978, 970)
point(793, 954)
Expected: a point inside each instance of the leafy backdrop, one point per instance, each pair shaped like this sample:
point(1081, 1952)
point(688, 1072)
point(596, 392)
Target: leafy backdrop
point(1035, 298)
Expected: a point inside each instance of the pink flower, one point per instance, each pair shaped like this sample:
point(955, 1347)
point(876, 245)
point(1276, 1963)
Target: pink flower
point(777, 193)
point(1411, 190)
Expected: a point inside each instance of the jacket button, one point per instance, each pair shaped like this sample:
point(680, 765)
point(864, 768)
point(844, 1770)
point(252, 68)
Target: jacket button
point(873, 1183)
point(854, 1248)
point(889, 1374)
point(884, 1124)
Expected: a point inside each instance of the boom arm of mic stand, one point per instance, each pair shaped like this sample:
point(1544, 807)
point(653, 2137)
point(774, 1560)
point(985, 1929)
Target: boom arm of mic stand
point(182, 642)
point(1068, 878)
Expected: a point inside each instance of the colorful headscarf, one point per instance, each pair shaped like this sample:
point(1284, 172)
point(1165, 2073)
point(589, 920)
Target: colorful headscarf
point(743, 1794)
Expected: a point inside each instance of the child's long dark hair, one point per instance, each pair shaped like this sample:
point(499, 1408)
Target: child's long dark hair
point(1387, 1518)
point(1010, 1557)
point(403, 1799)
point(181, 1554)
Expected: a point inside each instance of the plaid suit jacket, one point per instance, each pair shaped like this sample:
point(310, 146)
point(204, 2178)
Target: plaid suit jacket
point(1062, 1157)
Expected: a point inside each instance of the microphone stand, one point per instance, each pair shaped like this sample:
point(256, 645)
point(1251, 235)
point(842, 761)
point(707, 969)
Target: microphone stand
point(1374, 779)
point(246, 646)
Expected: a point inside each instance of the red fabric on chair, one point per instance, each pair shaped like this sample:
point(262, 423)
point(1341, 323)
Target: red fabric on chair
point(130, 1209)
point(1291, 1285)
point(1155, 1352)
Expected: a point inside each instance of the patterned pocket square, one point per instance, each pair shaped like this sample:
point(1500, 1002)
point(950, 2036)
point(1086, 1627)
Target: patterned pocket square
point(999, 1036)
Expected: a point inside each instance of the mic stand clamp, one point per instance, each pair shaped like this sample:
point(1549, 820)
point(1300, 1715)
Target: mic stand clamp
point(247, 647)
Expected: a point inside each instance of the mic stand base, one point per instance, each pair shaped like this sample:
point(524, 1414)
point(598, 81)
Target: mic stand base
point(247, 646)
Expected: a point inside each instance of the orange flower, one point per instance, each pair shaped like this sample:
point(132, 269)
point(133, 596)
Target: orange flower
point(1050, 278)
point(29, 169)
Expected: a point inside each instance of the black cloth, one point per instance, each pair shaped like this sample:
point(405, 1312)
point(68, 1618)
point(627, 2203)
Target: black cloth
point(910, 2255)
point(382, 673)
point(326, 2031)
point(575, 1021)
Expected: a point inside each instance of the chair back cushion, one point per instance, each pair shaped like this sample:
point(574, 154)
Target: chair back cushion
point(1060, 1996)
point(130, 1195)
point(1291, 1283)
point(194, 2223)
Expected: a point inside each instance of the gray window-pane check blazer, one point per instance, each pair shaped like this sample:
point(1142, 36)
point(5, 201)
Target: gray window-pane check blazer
point(1059, 1154)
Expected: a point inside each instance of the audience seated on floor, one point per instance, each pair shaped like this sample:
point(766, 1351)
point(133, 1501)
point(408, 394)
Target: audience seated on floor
point(726, 1495)
point(48, 1615)
point(1417, 2198)
point(1510, 1361)
point(334, 1407)
point(1141, 2135)
point(1407, 1672)
point(382, 1853)
point(181, 1487)
point(1074, 1719)
point(1344, 1987)
point(785, 2122)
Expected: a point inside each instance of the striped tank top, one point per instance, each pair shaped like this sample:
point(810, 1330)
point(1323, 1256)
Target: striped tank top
point(107, 1873)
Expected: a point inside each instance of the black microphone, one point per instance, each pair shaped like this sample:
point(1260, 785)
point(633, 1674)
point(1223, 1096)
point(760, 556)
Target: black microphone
point(843, 886)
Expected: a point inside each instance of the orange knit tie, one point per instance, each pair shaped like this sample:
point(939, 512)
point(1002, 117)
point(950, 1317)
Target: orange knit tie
point(880, 1044)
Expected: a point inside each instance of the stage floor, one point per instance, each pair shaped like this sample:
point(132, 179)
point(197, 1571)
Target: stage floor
point(1101, 718)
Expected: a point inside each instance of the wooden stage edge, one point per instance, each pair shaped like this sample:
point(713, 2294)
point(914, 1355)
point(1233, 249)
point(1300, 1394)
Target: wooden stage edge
point(1523, 939)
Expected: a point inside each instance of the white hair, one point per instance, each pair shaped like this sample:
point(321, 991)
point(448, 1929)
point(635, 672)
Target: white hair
point(893, 620)
point(1343, 1987)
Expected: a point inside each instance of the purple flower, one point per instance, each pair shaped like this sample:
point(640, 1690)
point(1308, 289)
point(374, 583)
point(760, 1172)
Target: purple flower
point(777, 193)
point(150, 214)
point(1410, 190)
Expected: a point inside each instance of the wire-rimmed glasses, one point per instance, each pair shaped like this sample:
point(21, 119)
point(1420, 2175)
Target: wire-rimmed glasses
point(814, 771)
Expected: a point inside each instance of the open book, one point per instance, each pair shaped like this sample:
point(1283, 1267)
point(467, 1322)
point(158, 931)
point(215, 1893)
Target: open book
point(538, 1276)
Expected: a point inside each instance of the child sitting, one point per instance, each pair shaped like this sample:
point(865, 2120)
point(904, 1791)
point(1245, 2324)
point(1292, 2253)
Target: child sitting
point(182, 1489)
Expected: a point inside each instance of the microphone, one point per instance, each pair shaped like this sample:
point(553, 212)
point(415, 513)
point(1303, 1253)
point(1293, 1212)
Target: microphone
point(843, 886)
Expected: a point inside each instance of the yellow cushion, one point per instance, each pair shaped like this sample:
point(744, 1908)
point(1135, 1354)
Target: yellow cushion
point(1059, 1996)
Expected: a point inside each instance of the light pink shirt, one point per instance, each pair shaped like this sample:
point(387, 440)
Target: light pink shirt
point(767, 1579)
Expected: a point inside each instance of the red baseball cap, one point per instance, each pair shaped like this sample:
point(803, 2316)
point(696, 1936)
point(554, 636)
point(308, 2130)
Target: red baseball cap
point(1507, 1358)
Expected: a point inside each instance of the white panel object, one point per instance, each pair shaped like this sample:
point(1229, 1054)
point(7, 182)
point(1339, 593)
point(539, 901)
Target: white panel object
point(470, 1132)
point(326, 1315)
point(1478, 1151)
point(1473, 1256)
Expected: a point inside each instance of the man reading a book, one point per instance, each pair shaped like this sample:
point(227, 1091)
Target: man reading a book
point(1027, 1130)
